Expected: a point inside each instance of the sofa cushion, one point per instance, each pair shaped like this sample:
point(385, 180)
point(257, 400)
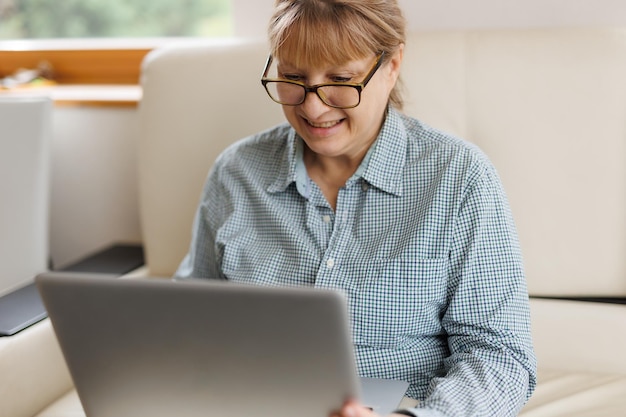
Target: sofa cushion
point(577, 394)
point(67, 405)
point(578, 336)
point(559, 394)
point(32, 371)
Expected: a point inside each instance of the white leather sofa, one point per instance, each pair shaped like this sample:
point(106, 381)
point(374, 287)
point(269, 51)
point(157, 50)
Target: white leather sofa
point(548, 107)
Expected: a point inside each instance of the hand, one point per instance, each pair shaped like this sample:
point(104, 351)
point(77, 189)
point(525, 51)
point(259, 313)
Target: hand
point(354, 409)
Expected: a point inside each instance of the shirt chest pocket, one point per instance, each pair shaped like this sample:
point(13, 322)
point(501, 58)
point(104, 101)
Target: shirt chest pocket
point(395, 301)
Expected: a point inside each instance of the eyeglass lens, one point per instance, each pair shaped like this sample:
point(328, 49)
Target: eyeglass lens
point(332, 95)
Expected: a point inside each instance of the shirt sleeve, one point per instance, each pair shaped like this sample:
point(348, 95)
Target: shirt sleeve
point(491, 369)
point(203, 258)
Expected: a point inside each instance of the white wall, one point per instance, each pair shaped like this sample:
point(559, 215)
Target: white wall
point(93, 181)
point(251, 16)
point(93, 168)
point(453, 14)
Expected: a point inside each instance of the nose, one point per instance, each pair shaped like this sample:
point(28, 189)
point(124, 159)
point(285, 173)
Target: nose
point(313, 104)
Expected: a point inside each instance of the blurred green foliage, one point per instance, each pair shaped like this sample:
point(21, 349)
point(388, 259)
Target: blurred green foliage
point(25, 19)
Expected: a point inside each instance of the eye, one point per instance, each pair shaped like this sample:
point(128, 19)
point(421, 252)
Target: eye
point(340, 79)
point(292, 77)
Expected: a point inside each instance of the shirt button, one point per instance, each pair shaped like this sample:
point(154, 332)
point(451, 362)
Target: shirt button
point(365, 186)
point(326, 219)
point(330, 263)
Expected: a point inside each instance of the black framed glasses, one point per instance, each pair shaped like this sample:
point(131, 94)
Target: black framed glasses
point(337, 95)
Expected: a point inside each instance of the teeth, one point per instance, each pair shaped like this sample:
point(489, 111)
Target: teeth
point(324, 125)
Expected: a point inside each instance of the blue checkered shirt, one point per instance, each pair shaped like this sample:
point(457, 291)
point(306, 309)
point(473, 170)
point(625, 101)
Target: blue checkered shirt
point(422, 242)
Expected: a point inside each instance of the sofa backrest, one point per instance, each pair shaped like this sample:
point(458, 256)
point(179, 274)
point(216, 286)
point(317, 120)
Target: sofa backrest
point(547, 105)
point(197, 99)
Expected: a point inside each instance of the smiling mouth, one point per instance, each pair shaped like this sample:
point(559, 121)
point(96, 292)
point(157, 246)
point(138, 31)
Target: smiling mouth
point(324, 125)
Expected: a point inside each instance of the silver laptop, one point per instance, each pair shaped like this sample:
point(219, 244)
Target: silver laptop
point(151, 347)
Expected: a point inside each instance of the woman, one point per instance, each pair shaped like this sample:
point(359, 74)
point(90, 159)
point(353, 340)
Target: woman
point(410, 223)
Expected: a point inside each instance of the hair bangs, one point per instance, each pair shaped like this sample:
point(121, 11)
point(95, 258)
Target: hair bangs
point(314, 41)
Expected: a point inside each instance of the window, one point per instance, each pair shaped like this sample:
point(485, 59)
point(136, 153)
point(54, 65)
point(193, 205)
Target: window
point(37, 19)
point(87, 42)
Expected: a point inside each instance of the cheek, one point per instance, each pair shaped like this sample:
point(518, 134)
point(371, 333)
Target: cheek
point(377, 94)
point(287, 111)
point(290, 114)
point(374, 103)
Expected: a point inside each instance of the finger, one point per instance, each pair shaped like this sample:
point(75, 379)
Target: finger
point(354, 409)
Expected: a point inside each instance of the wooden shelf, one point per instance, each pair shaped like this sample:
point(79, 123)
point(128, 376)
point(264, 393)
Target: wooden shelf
point(111, 95)
point(79, 66)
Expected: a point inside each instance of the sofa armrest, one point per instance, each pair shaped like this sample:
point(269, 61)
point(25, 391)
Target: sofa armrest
point(578, 336)
point(33, 373)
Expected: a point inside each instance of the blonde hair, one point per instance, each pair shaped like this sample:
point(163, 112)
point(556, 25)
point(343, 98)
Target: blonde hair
point(321, 32)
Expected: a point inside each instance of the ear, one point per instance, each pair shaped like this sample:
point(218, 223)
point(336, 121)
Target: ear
point(395, 63)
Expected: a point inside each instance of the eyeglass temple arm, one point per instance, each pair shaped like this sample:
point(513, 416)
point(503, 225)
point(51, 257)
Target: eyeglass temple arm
point(270, 58)
point(379, 62)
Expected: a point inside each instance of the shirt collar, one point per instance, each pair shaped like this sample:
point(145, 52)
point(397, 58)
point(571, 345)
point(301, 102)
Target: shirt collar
point(287, 171)
point(388, 156)
point(382, 166)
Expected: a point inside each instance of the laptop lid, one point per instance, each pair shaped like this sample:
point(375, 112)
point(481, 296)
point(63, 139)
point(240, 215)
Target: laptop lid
point(138, 347)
